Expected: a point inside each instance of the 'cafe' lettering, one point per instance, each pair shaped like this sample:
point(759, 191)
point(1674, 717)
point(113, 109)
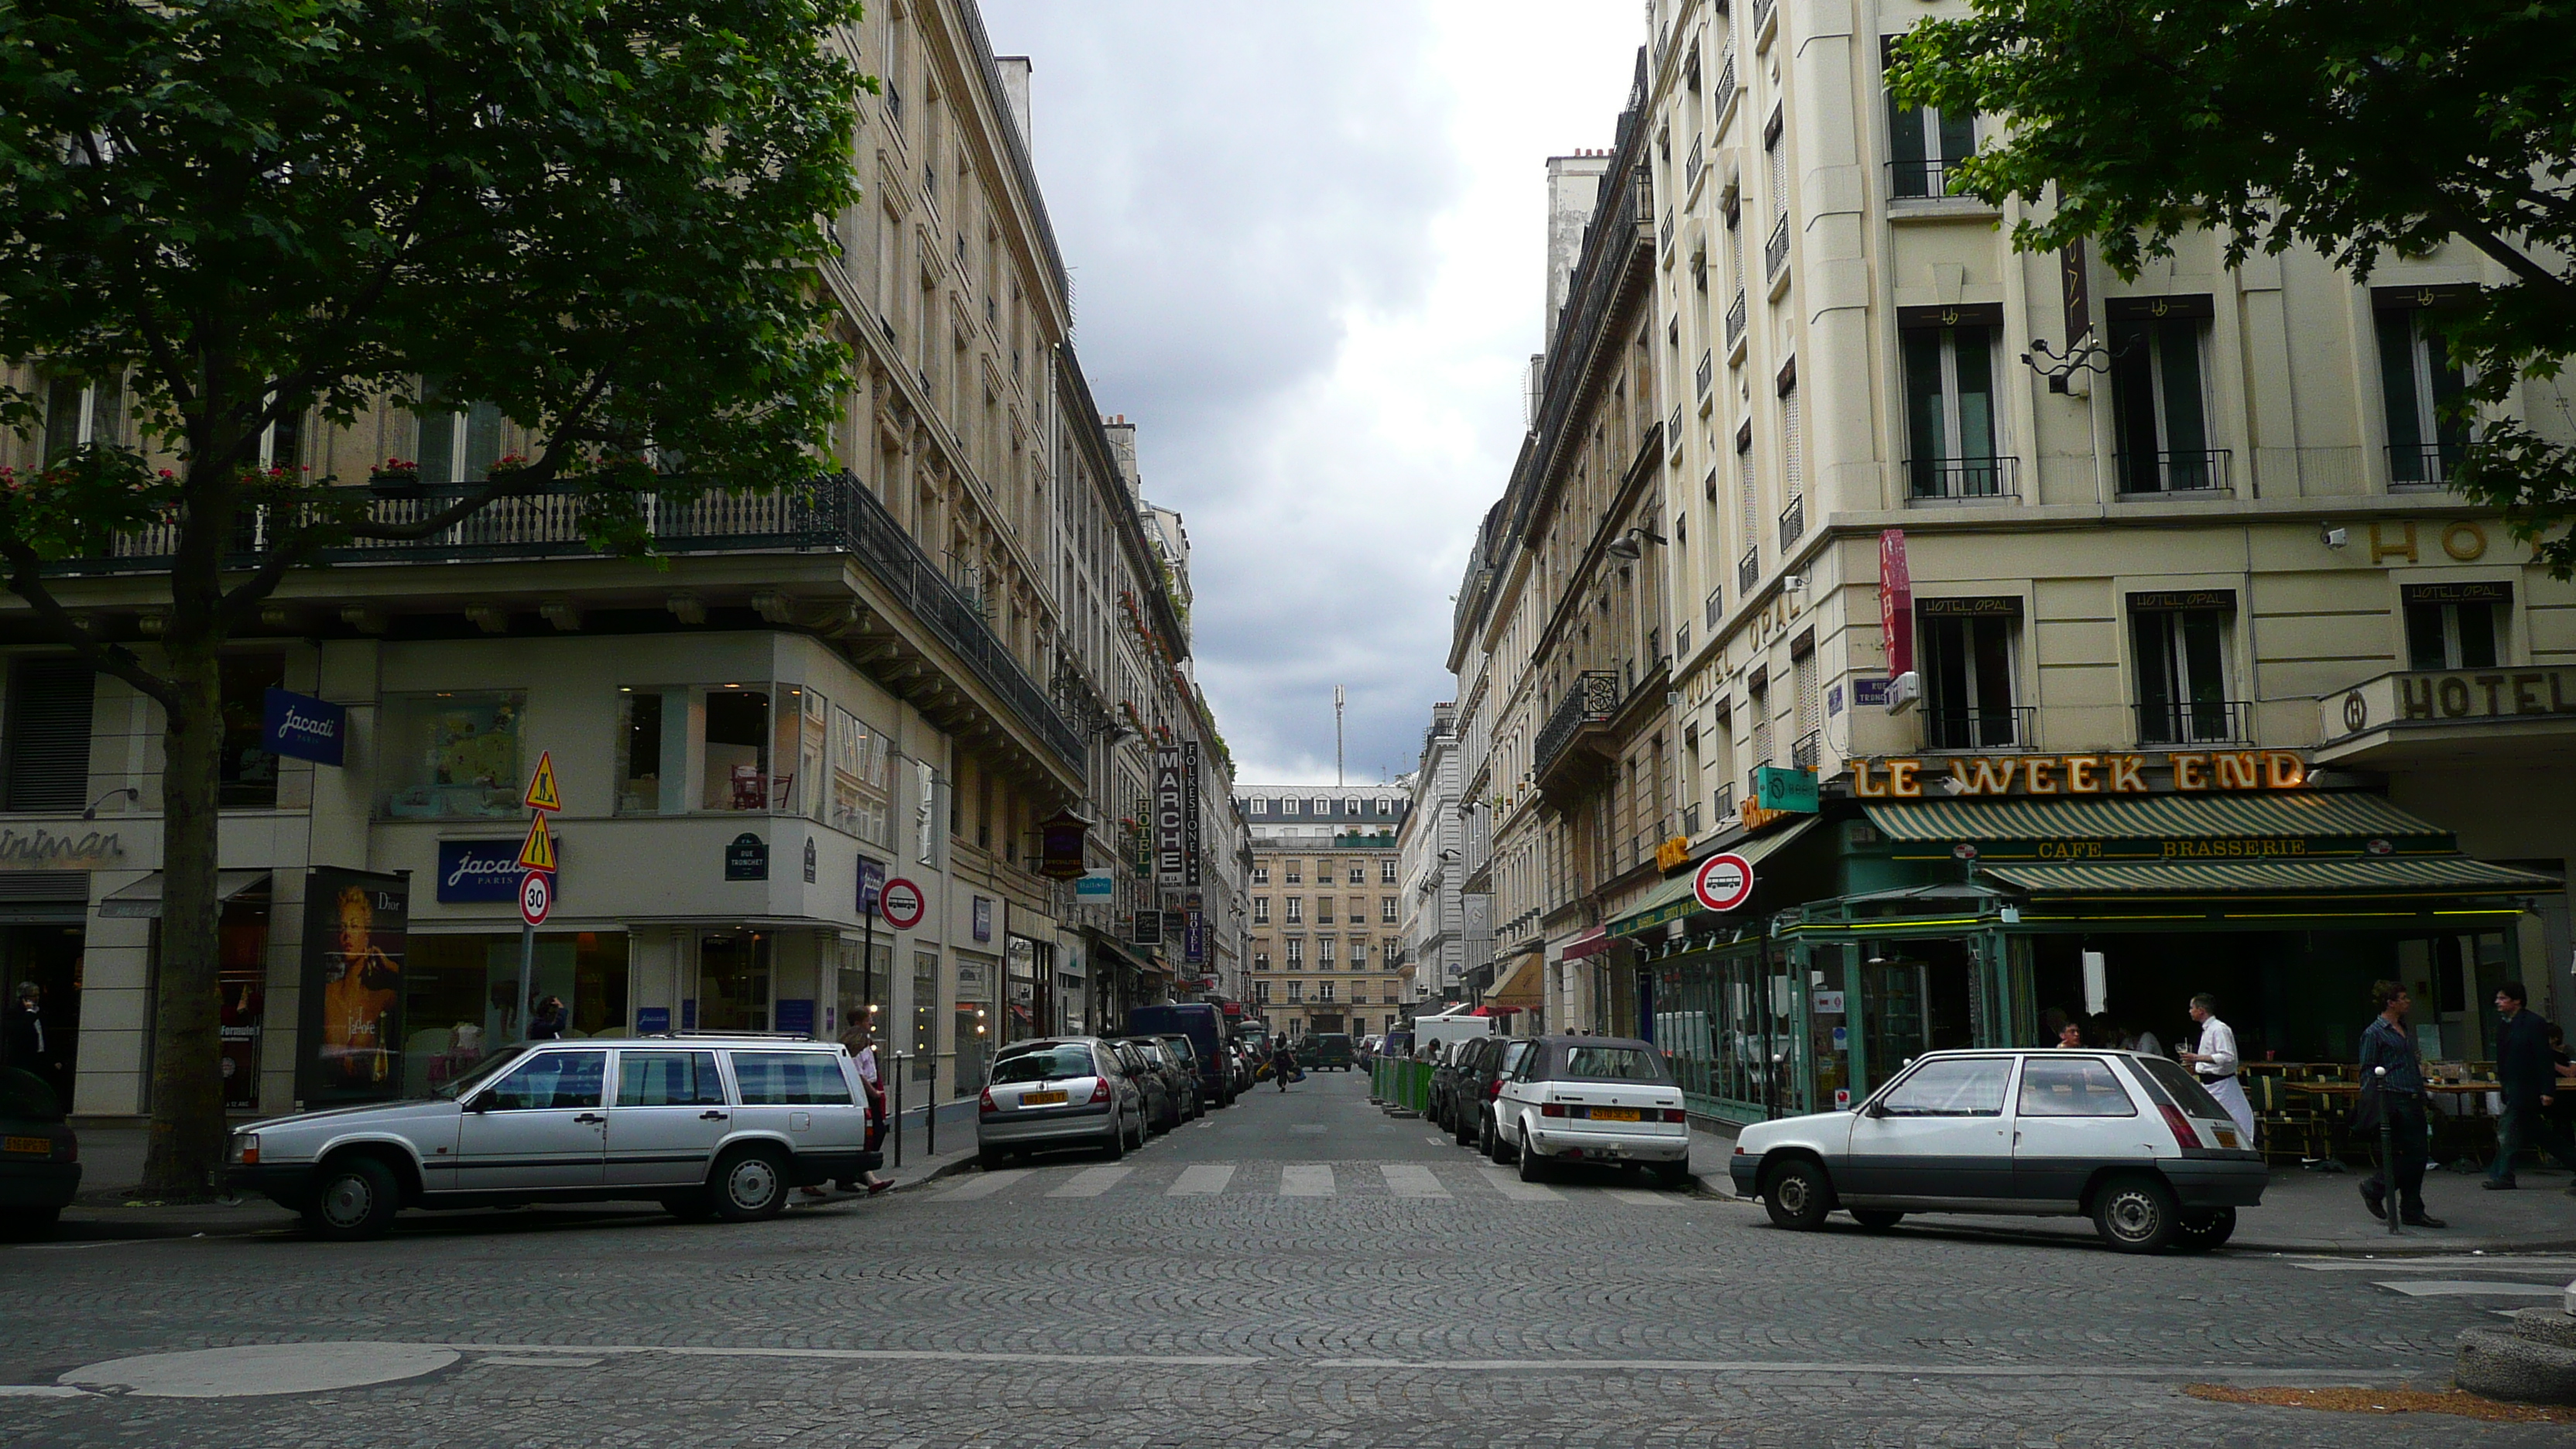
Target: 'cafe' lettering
point(2123, 774)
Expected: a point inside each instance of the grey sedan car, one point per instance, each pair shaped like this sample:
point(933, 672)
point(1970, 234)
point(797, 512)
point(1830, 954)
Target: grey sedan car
point(1059, 1092)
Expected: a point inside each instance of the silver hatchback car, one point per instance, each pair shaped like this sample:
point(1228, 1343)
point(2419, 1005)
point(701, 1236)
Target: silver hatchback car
point(708, 1126)
point(1063, 1092)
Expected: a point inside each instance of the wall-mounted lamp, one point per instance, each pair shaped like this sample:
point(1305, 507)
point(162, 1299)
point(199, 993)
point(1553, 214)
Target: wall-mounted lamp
point(132, 797)
point(1633, 543)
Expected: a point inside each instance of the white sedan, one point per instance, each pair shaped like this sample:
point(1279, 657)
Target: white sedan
point(1593, 1099)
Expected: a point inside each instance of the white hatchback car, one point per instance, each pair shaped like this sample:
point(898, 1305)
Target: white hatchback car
point(2129, 1140)
point(1593, 1099)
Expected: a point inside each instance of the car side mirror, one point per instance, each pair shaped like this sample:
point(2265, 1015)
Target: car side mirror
point(480, 1102)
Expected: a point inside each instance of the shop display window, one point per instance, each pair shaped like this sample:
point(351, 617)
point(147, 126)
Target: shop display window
point(861, 802)
point(733, 981)
point(464, 1000)
point(453, 755)
point(246, 773)
point(684, 748)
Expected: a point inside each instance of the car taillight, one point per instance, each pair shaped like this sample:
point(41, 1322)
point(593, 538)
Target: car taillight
point(1675, 1114)
point(2184, 1137)
point(1494, 1092)
point(1099, 1090)
point(985, 1101)
point(1551, 1109)
point(246, 1149)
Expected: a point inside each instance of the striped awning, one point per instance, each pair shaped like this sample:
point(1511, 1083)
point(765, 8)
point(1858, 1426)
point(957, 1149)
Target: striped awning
point(2366, 875)
point(1518, 986)
point(2267, 813)
point(1678, 897)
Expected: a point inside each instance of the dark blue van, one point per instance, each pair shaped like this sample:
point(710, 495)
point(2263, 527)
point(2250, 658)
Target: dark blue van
point(1201, 1023)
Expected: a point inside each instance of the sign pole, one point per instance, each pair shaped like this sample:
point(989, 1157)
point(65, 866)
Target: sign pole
point(527, 966)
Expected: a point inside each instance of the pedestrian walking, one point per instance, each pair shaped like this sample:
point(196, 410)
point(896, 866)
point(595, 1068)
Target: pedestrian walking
point(2213, 1057)
point(2530, 1081)
point(548, 1024)
point(1283, 1063)
point(861, 1043)
point(24, 1042)
point(2400, 1096)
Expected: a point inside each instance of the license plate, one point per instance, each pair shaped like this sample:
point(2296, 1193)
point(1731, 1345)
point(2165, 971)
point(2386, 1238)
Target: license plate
point(40, 1146)
point(1043, 1099)
point(1614, 1114)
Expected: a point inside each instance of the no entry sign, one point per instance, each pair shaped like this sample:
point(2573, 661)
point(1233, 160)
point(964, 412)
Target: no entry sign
point(901, 904)
point(1724, 882)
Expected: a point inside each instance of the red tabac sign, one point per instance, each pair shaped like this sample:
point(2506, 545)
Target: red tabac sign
point(1895, 603)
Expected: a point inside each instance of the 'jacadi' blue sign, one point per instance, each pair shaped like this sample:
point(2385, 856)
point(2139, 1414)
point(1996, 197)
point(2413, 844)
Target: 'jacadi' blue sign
point(304, 728)
point(485, 870)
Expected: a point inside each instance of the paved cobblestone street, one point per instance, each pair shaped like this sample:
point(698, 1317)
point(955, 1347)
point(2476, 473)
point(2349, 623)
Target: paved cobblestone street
point(1301, 1269)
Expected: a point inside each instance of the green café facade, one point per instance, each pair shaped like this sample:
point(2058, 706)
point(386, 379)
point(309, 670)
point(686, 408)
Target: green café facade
point(1930, 904)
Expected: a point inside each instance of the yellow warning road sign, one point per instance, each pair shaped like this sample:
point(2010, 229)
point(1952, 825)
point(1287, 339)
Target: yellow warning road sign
point(541, 787)
point(539, 852)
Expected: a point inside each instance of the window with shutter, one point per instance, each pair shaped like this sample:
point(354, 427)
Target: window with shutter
point(47, 734)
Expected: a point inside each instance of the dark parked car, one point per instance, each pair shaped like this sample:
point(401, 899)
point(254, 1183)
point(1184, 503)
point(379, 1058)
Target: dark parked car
point(1180, 1083)
point(1205, 1027)
point(1453, 1087)
point(1152, 1080)
point(39, 1157)
point(1332, 1052)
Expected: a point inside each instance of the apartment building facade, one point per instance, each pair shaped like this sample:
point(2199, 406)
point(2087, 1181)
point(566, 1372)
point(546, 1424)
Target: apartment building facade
point(901, 674)
point(1327, 922)
point(2091, 664)
point(1444, 927)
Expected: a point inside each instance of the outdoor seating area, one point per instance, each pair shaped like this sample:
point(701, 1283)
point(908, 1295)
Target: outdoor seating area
point(2303, 1110)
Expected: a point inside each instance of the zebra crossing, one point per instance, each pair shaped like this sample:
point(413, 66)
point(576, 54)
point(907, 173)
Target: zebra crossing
point(1412, 1182)
point(2499, 1283)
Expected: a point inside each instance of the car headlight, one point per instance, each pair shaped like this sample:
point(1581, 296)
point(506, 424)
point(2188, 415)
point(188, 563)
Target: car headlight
point(245, 1149)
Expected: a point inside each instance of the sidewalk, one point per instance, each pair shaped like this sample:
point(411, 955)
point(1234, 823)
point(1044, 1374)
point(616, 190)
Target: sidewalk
point(2305, 1212)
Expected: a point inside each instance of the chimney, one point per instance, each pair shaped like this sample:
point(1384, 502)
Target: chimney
point(1015, 91)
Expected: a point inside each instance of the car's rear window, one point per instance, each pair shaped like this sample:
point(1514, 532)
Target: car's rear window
point(1048, 1064)
point(1611, 1064)
point(25, 1096)
point(2187, 1092)
point(790, 1079)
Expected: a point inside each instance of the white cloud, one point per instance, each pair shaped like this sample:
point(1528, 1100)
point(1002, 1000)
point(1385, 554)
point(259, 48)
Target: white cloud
point(1308, 245)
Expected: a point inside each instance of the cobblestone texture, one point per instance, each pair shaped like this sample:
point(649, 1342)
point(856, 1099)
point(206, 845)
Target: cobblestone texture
point(1136, 1318)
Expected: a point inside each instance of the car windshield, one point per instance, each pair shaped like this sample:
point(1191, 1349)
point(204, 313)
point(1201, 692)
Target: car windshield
point(1612, 1064)
point(481, 1072)
point(1046, 1064)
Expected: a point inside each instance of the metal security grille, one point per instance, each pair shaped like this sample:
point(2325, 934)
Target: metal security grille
point(47, 736)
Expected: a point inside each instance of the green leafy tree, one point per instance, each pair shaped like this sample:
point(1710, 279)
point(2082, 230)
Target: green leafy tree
point(599, 218)
point(2363, 128)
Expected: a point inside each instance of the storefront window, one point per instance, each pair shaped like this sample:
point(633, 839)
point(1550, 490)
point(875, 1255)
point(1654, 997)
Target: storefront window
point(714, 747)
point(452, 755)
point(733, 981)
point(866, 981)
point(652, 751)
point(246, 773)
point(464, 1000)
point(861, 800)
point(925, 1016)
point(242, 943)
point(736, 775)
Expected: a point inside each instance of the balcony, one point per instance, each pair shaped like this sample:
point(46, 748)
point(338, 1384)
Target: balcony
point(1775, 250)
point(1748, 570)
point(1735, 320)
point(1581, 718)
point(1690, 818)
point(1706, 376)
point(1762, 10)
point(1716, 605)
point(1721, 803)
point(2502, 719)
point(1923, 180)
point(2007, 727)
point(2423, 465)
point(2213, 722)
point(1673, 430)
point(1952, 480)
point(1691, 168)
point(1793, 522)
point(835, 515)
point(2202, 471)
point(1722, 99)
point(1664, 236)
point(1804, 754)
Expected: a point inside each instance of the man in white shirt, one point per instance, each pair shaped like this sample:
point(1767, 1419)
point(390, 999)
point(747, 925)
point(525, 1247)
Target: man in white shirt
point(2214, 1058)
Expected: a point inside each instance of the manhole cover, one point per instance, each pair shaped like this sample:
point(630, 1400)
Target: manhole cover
point(263, 1368)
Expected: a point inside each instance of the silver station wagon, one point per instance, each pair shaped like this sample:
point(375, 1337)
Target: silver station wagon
point(708, 1126)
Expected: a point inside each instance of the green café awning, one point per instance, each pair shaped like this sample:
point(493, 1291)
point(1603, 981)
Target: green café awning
point(1674, 899)
point(2373, 875)
point(2255, 825)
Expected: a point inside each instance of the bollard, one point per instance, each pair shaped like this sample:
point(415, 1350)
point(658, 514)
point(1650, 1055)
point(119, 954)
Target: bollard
point(2387, 1152)
point(894, 1122)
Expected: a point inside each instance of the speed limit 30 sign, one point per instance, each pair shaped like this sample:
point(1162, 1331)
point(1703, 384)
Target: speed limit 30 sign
point(536, 896)
point(1724, 882)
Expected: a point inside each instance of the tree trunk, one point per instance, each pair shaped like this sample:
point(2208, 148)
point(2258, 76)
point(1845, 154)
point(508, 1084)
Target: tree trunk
point(189, 1134)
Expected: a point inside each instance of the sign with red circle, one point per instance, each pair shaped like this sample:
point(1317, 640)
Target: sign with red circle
point(901, 903)
point(536, 896)
point(1724, 882)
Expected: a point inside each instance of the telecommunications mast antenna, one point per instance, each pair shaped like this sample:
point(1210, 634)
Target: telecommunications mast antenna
point(1337, 736)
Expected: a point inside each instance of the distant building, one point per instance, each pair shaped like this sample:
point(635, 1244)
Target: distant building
point(1327, 905)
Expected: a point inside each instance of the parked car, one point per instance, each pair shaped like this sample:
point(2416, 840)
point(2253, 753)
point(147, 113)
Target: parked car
point(1594, 1099)
point(1153, 1084)
point(40, 1170)
point(1444, 1085)
point(1204, 1026)
point(2129, 1140)
point(1485, 1088)
point(1238, 1053)
point(1207, 1080)
point(1178, 1089)
point(1332, 1052)
point(1062, 1091)
point(709, 1127)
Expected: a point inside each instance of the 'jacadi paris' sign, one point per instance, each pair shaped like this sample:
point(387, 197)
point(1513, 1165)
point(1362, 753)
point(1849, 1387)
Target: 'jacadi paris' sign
point(304, 728)
point(485, 870)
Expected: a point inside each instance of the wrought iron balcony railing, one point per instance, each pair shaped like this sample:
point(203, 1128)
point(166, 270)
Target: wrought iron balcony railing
point(1762, 15)
point(1673, 430)
point(1748, 570)
point(1793, 522)
point(2001, 728)
point(1593, 700)
point(1721, 803)
point(2213, 722)
point(1707, 375)
point(2423, 465)
point(1735, 319)
point(1934, 479)
point(1691, 168)
point(2201, 470)
point(1716, 605)
point(1807, 751)
point(1920, 180)
point(1690, 818)
point(1775, 250)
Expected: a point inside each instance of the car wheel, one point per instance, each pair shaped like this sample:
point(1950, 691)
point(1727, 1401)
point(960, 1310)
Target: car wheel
point(1117, 1145)
point(1798, 1195)
point(1497, 1147)
point(2198, 1232)
point(991, 1158)
point(1674, 1175)
point(28, 1224)
point(1465, 1130)
point(2136, 1214)
point(690, 1207)
point(751, 1184)
point(355, 1198)
point(1533, 1166)
point(1877, 1220)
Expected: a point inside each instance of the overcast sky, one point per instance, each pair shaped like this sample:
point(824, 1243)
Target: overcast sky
point(1308, 253)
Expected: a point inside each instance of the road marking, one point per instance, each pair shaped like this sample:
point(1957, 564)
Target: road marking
point(2444, 1264)
point(1640, 1197)
point(1515, 1189)
point(1313, 1181)
point(983, 1185)
point(1204, 1180)
point(1091, 1182)
point(509, 1361)
point(2461, 1288)
point(1412, 1180)
point(1437, 1141)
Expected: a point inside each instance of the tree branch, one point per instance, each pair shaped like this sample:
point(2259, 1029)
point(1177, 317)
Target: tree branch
point(26, 580)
